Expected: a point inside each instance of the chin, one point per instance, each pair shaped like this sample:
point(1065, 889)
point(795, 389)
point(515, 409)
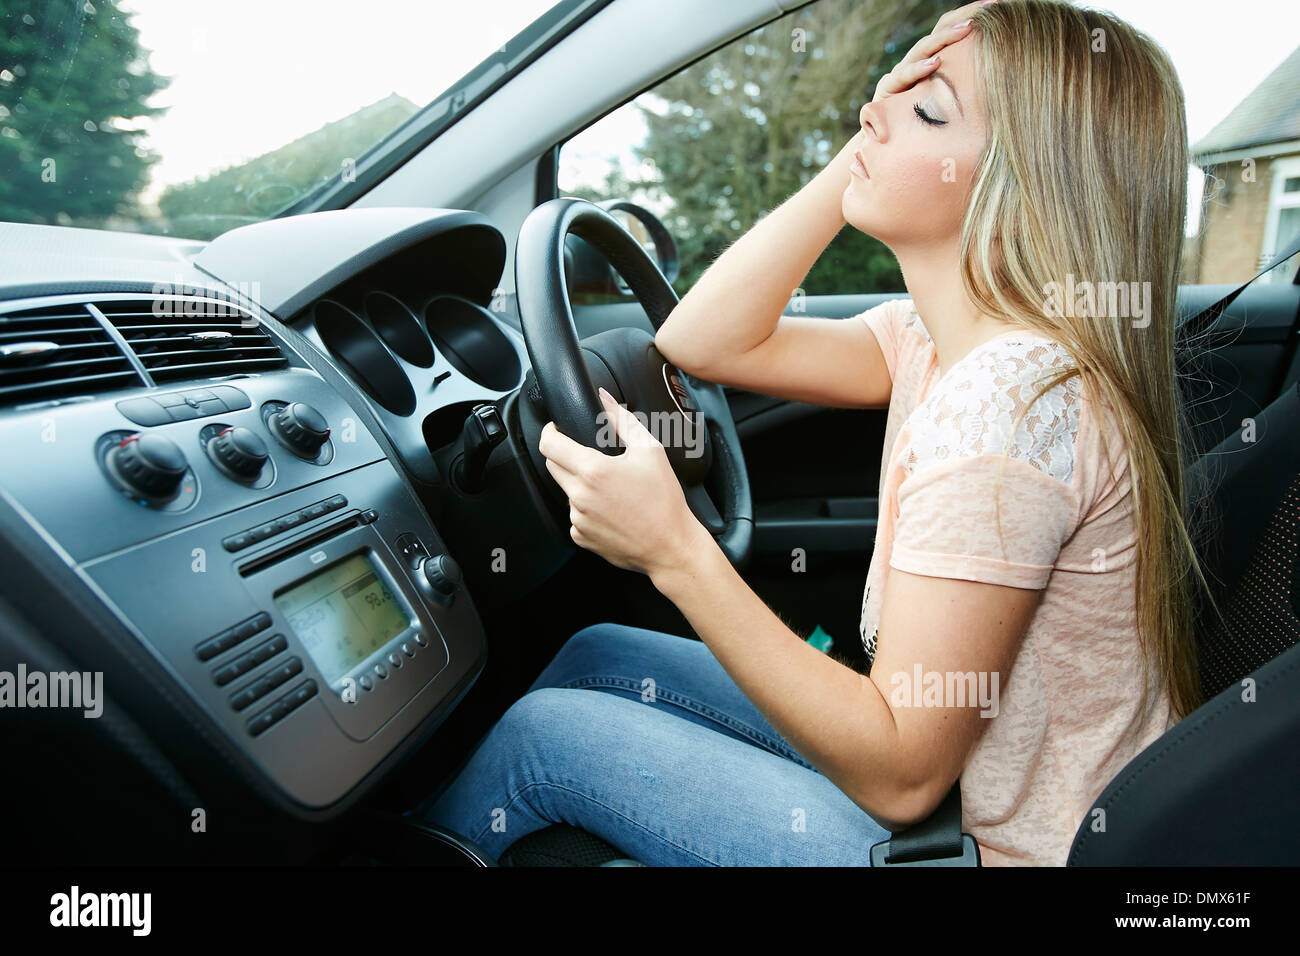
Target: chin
point(862, 215)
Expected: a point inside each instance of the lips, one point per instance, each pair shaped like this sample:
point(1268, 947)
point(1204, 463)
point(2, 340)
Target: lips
point(860, 164)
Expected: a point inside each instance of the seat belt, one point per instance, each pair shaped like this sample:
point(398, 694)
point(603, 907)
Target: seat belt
point(1207, 317)
point(938, 840)
point(935, 841)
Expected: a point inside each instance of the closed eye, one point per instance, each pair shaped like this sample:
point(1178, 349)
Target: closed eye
point(926, 118)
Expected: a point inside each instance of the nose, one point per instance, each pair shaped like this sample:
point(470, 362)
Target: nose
point(870, 118)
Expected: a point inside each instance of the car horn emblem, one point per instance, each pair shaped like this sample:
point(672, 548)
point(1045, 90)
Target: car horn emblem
point(677, 388)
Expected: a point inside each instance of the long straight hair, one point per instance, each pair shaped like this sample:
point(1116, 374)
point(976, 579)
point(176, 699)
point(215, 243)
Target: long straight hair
point(1084, 180)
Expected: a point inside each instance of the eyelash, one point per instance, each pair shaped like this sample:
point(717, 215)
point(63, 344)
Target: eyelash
point(925, 118)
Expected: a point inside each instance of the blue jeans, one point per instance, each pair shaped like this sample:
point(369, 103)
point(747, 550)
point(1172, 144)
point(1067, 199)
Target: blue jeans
point(668, 761)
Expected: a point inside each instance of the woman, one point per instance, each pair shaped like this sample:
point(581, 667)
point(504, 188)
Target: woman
point(1027, 611)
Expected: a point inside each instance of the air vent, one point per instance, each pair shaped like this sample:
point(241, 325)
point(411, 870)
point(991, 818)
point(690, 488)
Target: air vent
point(184, 338)
point(58, 352)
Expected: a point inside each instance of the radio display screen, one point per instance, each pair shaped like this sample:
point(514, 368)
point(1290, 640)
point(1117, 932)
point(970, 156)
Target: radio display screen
point(343, 614)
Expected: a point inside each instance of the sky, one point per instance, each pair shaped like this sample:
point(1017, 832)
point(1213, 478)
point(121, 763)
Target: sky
point(249, 76)
point(252, 75)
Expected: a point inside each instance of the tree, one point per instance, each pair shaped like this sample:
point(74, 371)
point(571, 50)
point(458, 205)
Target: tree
point(253, 190)
point(744, 128)
point(74, 81)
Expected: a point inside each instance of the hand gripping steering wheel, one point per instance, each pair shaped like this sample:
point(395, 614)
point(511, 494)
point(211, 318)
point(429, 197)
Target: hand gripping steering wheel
point(695, 425)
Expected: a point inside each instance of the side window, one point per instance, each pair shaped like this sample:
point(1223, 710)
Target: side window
point(726, 140)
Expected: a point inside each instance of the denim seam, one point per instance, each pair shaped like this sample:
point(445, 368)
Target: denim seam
point(690, 703)
point(586, 796)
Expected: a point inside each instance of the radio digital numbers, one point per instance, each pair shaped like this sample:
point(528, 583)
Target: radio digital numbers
point(349, 613)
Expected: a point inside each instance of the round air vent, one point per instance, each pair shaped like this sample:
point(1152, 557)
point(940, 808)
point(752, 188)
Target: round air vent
point(357, 346)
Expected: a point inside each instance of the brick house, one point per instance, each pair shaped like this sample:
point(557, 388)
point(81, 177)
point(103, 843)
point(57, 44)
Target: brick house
point(1251, 162)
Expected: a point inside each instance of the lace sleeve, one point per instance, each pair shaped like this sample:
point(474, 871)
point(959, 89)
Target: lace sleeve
point(886, 321)
point(977, 499)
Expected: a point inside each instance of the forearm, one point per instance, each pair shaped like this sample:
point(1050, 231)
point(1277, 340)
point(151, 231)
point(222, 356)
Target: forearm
point(836, 718)
point(738, 301)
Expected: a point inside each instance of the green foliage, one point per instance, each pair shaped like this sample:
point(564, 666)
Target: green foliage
point(252, 191)
point(76, 84)
point(752, 123)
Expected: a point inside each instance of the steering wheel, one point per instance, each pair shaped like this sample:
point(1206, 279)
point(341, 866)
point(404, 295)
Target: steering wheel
point(565, 372)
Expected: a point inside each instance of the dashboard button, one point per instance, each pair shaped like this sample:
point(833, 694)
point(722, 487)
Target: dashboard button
point(213, 406)
point(199, 395)
point(170, 399)
point(231, 397)
point(261, 723)
point(182, 412)
point(144, 411)
point(237, 542)
point(217, 644)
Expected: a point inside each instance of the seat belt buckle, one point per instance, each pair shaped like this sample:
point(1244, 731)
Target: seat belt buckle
point(969, 856)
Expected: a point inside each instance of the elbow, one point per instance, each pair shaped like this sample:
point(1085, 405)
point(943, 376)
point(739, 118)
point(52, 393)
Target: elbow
point(670, 349)
point(905, 805)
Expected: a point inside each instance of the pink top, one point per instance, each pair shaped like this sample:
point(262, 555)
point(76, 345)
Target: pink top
point(1067, 720)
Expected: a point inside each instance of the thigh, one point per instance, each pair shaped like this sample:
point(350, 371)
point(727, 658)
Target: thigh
point(665, 791)
point(674, 673)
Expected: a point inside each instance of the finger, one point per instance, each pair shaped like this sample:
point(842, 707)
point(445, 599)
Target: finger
point(569, 483)
point(559, 447)
point(914, 66)
point(964, 12)
point(905, 75)
point(626, 425)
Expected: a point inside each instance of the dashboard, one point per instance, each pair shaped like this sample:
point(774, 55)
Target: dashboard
point(259, 483)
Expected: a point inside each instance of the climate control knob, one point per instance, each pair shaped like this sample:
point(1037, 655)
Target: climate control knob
point(150, 464)
point(240, 451)
point(301, 428)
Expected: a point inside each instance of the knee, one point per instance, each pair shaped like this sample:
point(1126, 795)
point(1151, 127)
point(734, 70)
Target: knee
point(584, 644)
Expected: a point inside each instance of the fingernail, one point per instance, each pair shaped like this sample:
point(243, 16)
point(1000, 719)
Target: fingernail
point(604, 395)
point(963, 25)
point(931, 61)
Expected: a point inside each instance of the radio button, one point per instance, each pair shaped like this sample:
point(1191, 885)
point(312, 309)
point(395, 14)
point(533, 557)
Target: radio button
point(264, 652)
point(261, 722)
point(231, 636)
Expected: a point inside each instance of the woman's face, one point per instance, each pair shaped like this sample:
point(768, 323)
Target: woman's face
point(918, 174)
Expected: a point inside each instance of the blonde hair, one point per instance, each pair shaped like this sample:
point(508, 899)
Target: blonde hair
point(1085, 175)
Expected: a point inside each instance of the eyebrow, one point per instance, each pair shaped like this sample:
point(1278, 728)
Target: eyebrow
point(939, 75)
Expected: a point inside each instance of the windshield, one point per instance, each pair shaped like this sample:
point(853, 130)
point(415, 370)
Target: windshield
point(182, 118)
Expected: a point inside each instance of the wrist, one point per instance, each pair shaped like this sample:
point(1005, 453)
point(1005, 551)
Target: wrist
point(687, 560)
